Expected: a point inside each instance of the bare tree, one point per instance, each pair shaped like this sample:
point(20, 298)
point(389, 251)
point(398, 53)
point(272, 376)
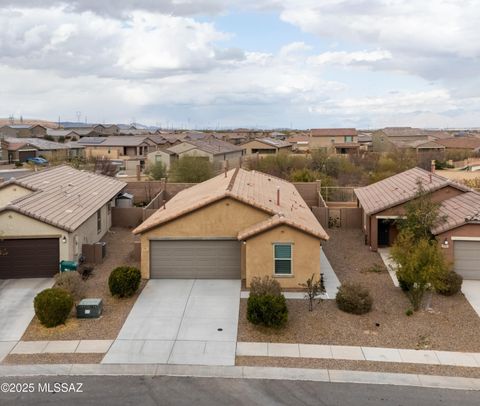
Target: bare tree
point(313, 288)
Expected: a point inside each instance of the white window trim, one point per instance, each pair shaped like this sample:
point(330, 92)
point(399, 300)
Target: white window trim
point(283, 275)
point(390, 217)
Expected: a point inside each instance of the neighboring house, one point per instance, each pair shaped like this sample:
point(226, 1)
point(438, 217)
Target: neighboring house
point(219, 153)
point(62, 135)
point(266, 146)
point(237, 225)
point(384, 202)
point(22, 131)
point(45, 218)
point(420, 146)
point(300, 143)
point(20, 149)
point(117, 147)
point(461, 143)
point(338, 140)
point(389, 138)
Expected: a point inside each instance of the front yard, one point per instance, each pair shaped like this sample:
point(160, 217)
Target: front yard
point(452, 325)
point(115, 311)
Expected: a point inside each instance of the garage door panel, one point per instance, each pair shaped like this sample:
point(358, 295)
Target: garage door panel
point(201, 259)
point(29, 258)
point(467, 259)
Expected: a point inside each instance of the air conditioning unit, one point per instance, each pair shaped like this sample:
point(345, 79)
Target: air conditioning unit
point(89, 308)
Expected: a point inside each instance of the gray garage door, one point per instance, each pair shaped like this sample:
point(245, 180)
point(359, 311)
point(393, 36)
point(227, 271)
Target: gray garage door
point(201, 259)
point(467, 259)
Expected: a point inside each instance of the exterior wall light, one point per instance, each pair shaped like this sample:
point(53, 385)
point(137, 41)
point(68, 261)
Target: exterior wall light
point(445, 243)
point(64, 239)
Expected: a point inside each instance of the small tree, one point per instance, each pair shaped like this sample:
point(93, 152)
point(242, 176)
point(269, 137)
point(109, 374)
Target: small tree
point(192, 169)
point(313, 288)
point(421, 263)
point(158, 171)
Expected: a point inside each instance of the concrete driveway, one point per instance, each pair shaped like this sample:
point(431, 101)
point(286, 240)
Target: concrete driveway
point(16, 308)
point(181, 321)
point(471, 290)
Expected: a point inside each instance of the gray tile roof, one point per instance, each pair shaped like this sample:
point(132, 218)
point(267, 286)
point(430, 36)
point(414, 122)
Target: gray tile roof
point(273, 142)
point(64, 197)
point(91, 140)
point(214, 146)
point(400, 188)
point(459, 210)
point(39, 143)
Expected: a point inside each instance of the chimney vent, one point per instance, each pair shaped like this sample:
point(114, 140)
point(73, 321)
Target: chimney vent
point(432, 166)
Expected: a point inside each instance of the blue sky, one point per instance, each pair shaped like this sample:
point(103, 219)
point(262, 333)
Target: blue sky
point(231, 63)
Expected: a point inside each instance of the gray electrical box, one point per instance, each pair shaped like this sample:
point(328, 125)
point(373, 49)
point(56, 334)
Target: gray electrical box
point(89, 308)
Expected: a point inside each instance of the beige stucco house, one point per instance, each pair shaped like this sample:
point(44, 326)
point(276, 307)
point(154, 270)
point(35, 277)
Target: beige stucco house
point(336, 140)
point(266, 146)
point(47, 216)
point(238, 225)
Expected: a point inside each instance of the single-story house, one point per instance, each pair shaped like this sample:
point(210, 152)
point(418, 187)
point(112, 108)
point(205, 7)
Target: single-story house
point(329, 138)
point(117, 147)
point(461, 143)
point(420, 146)
point(20, 149)
point(47, 216)
point(384, 202)
point(23, 130)
point(300, 143)
point(266, 146)
point(237, 225)
point(218, 152)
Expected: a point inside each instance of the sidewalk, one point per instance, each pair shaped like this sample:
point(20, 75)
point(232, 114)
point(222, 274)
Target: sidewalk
point(244, 372)
point(429, 357)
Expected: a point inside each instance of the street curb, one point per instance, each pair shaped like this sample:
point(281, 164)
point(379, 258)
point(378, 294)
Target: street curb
point(242, 372)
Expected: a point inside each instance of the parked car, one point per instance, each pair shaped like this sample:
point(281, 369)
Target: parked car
point(37, 161)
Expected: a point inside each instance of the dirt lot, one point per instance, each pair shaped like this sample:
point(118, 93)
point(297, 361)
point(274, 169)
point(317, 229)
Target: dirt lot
point(452, 325)
point(115, 311)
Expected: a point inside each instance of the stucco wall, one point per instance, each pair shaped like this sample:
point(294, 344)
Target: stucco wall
point(257, 145)
point(12, 192)
point(468, 230)
point(306, 256)
point(372, 231)
point(16, 225)
point(221, 219)
point(326, 142)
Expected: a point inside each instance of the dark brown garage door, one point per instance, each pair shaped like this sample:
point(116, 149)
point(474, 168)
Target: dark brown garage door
point(195, 259)
point(24, 155)
point(29, 258)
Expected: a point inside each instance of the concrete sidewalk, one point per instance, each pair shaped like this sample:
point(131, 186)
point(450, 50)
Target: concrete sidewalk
point(377, 354)
point(243, 372)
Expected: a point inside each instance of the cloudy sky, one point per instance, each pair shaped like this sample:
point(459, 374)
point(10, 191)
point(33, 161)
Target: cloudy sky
point(252, 63)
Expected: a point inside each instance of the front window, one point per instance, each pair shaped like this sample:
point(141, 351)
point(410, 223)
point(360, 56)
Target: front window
point(348, 138)
point(283, 259)
point(99, 221)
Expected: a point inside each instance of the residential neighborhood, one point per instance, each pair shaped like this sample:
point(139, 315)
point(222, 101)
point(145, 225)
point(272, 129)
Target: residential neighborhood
point(222, 203)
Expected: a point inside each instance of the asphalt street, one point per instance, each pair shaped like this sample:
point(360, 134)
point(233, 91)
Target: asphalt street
point(159, 390)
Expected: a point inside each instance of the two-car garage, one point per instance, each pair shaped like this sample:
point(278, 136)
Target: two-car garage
point(467, 258)
point(29, 258)
point(195, 259)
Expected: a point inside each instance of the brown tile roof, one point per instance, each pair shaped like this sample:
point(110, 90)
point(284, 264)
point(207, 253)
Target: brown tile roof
point(272, 142)
point(400, 188)
point(214, 146)
point(64, 197)
point(333, 132)
point(461, 143)
point(250, 187)
point(299, 138)
point(459, 210)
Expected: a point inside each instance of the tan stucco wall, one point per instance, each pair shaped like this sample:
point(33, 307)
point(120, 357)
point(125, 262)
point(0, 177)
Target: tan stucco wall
point(257, 145)
point(16, 225)
point(306, 255)
point(96, 152)
point(372, 231)
point(468, 230)
point(221, 219)
point(326, 142)
point(12, 192)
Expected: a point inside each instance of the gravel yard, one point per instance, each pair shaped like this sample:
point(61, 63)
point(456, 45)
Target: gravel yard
point(27, 359)
point(359, 366)
point(115, 311)
point(452, 325)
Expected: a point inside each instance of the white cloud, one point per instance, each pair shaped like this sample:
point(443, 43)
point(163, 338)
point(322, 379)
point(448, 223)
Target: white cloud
point(349, 58)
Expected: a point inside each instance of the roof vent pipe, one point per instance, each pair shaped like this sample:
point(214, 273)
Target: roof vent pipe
point(432, 166)
point(278, 195)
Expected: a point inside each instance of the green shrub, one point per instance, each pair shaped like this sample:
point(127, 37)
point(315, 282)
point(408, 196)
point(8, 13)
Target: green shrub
point(267, 310)
point(52, 306)
point(353, 298)
point(409, 312)
point(72, 283)
point(404, 285)
point(124, 281)
point(450, 283)
point(265, 286)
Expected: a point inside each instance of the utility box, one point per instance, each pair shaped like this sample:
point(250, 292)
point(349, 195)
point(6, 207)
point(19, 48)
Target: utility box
point(89, 308)
point(68, 266)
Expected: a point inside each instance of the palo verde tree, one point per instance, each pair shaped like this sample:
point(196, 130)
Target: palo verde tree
point(313, 288)
point(421, 262)
point(192, 169)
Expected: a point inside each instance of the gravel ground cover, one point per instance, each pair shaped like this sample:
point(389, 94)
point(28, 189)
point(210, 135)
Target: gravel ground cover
point(359, 366)
point(27, 359)
point(115, 311)
point(452, 325)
